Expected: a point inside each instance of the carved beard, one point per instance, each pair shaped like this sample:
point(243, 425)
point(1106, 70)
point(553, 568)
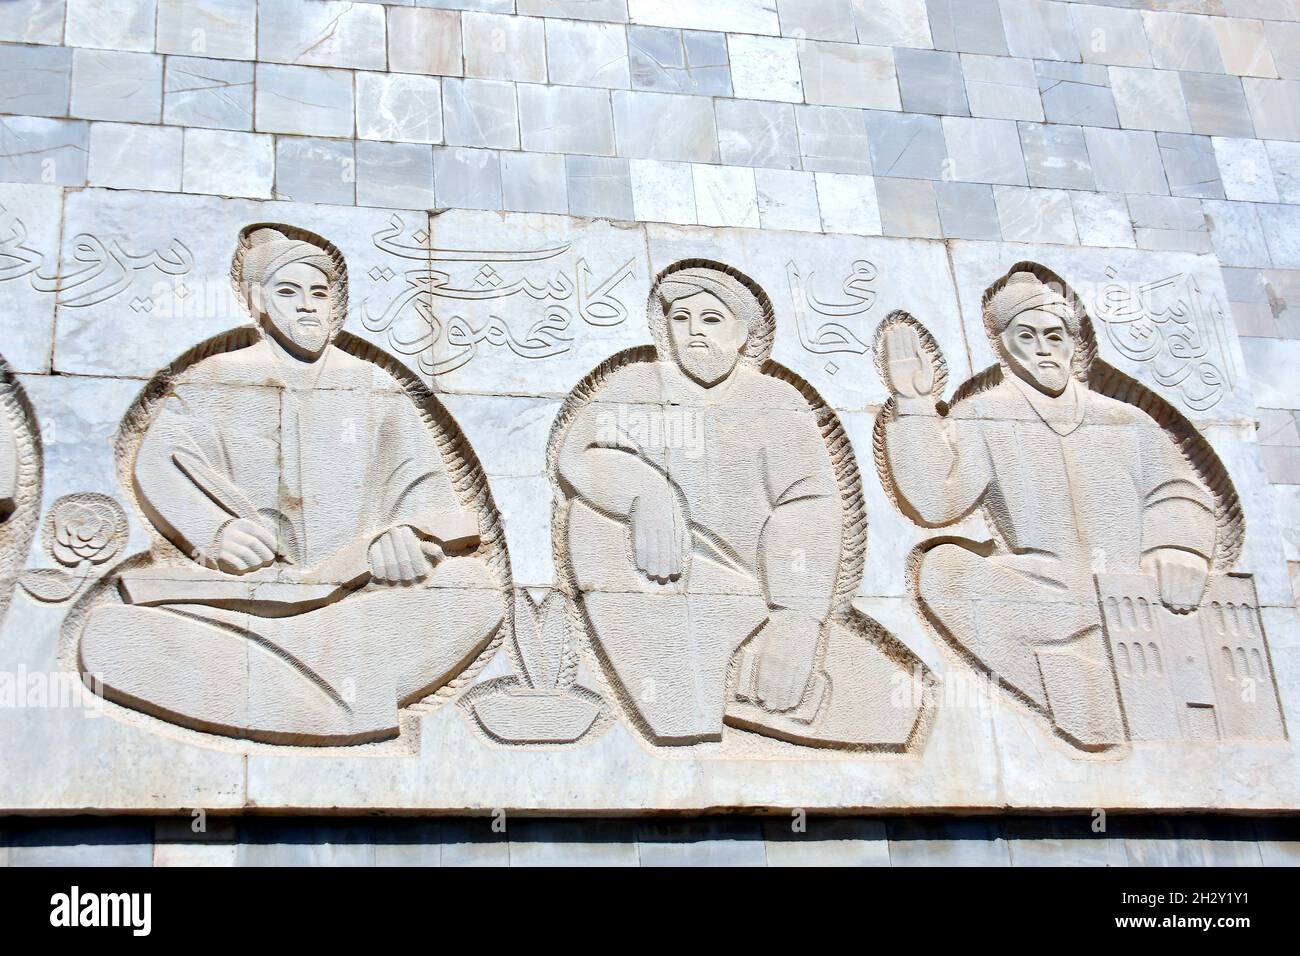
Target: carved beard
point(708, 365)
point(1050, 381)
point(303, 340)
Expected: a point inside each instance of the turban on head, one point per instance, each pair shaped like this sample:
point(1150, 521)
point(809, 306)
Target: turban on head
point(271, 250)
point(1025, 292)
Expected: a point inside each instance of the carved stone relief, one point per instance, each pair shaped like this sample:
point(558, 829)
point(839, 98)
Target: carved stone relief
point(311, 504)
point(1106, 598)
point(709, 521)
point(20, 481)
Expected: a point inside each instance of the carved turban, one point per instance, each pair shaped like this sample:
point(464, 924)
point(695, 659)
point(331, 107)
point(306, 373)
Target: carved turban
point(270, 250)
point(1025, 292)
point(740, 300)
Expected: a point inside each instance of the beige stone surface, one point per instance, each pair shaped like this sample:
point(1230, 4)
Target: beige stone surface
point(484, 510)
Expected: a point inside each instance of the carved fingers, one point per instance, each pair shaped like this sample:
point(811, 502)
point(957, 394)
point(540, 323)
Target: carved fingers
point(397, 557)
point(245, 545)
point(659, 536)
point(786, 654)
point(911, 373)
point(1182, 577)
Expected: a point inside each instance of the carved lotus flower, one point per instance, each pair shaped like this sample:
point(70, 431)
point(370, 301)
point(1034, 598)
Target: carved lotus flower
point(85, 527)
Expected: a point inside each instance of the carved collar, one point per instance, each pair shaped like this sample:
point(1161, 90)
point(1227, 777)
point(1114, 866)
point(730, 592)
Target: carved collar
point(1061, 413)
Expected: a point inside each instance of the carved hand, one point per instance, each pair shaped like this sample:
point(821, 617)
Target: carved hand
point(787, 649)
point(911, 373)
point(397, 557)
point(245, 545)
point(1182, 577)
point(660, 537)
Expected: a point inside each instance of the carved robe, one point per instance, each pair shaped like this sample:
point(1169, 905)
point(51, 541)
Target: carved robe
point(749, 463)
point(1072, 485)
point(263, 654)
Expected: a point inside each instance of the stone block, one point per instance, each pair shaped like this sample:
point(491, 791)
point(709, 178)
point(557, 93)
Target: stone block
point(533, 182)
point(832, 139)
point(34, 149)
point(1216, 105)
point(108, 85)
point(1284, 162)
point(947, 843)
point(908, 208)
point(561, 119)
point(930, 81)
point(127, 156)
point(720, 843)
point(599, 187)
point(662, 192)
point(221, 29)
point(112, 24)
point(1182, 41)
point(909, 146)
point(315, 170)
point(1056, 156)
point(398, 107)
point(615, 11)
point(1035, 215)
point(303, 100)
point(984, 151)
point(504, 47)
point(1284, 46)
point(1039, 29)
point(1126, 161)
point(1102, 220)
point(725, 196)
point(212, 93)
point(967, 26)
point(395, 174)
point(33, 21)
point(228, 163)
point(465, 178)
point(787, 199)
point(838, 74)
point(480, 113)
point(818, 20)
point(676, 61)
point(332, 33)
point(1243, 45)
point(673, 127)
point(1075, 93)
point(764, 68)
point(1280, 224)
point(967, 211)
point(1245, 170)
point(1002, 88)
point(1274, 107)
point(1149, 99)
point(1190, 165)
point(424, 41)
point(35, 80)
point(37, 212)
point(587, 54)
point(896, 23)
point(737, 16)
point(848, 203)
point(826, 842)
point(1110, 36)
point(752, 133)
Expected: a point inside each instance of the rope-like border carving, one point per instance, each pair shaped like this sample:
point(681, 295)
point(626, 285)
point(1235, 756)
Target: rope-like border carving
point(19, 528)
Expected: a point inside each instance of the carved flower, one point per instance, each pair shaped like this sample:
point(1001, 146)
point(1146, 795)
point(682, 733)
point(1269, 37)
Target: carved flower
point(85, 527)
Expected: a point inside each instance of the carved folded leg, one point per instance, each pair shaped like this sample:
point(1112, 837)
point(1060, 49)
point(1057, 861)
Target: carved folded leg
point(1081, 690)
point(1001, 615)
point(195, 672)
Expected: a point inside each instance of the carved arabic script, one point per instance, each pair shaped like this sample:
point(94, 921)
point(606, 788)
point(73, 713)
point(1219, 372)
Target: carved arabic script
point(427, 318)
point(97, 272)
point(1174, 327)
point(832, 336)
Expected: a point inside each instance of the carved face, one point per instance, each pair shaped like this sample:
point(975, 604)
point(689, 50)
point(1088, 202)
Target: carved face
point(295, 309)
point(1040, 349)
point(706, 336)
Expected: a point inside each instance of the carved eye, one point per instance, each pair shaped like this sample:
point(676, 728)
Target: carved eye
point(320, 293)
point(680, 316)
point(712, 318)
point(286, 289)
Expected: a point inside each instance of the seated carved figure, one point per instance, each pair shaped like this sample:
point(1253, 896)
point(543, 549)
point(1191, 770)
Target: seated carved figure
point(312, 596)
point(1073, 483)
point(703, 526)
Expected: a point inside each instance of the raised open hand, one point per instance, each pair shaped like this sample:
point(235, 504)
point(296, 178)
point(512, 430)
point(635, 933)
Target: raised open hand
point(910, 369)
